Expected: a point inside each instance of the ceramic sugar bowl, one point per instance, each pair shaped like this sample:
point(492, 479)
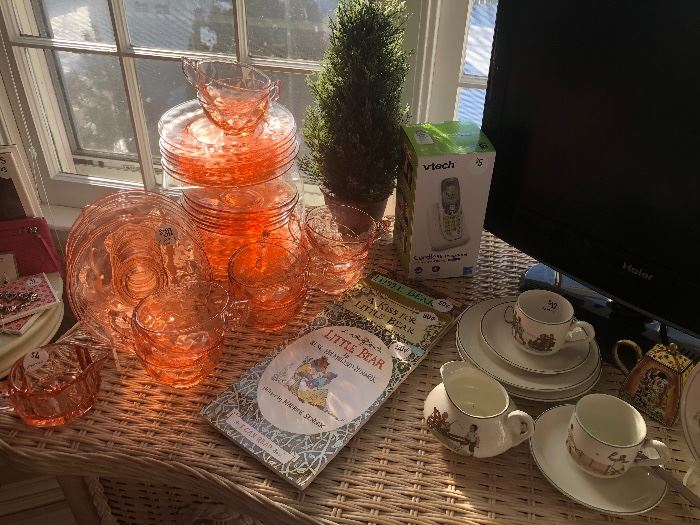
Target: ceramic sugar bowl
point(472, 414)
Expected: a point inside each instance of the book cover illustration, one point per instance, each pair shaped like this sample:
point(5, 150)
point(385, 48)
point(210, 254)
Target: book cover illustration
point(296, 408)
point(25, 296)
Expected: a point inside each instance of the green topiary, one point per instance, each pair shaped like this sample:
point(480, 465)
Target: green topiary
point(353, 132)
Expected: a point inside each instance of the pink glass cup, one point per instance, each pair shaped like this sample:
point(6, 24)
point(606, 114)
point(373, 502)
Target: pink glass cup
point(273, 277)
point(338, 239)
point(179, 332)
point(236, 97)
point(54, 384)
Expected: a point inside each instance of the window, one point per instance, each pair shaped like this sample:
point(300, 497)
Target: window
point(477, 56)
point(88, 80)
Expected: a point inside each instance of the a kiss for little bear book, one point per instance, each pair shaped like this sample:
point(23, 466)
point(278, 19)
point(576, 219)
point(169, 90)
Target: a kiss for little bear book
point(297, 408)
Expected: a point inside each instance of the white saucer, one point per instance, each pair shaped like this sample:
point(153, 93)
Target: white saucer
point(637, 491)
point(496, 333)
point(690, 412)
point(473, 348)
point(547, 397)
point(555, 397)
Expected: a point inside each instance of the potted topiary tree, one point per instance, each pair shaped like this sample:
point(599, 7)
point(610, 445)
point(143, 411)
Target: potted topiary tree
point(353, 131)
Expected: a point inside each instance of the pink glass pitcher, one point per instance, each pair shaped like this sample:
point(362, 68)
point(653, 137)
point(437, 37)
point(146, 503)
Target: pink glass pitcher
point(234, 96)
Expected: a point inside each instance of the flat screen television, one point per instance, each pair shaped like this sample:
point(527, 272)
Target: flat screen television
point(594, 109)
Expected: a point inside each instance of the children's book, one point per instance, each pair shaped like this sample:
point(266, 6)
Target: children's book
point(296, 408)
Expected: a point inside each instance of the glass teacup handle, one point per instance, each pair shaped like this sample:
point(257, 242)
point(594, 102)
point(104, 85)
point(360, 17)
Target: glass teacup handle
point(626, 343)
point(236, 312)
point(580, 331)
point(5, 403)
point(274, 92)
point(190, 67)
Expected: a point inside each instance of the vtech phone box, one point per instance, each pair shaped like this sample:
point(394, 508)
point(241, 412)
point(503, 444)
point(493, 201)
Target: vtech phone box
point(441, 198)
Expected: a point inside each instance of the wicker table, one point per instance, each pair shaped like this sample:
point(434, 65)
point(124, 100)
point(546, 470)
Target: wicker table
point(148, 457)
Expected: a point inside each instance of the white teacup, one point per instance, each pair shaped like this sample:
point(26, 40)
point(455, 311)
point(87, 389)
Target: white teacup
point(606, 435)
point(543, 322)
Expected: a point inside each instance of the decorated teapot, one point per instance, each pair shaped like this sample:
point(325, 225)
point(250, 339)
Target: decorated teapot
point(655, 384)
point(472, 414)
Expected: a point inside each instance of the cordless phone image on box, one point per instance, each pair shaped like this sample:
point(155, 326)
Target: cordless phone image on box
point(446, 227)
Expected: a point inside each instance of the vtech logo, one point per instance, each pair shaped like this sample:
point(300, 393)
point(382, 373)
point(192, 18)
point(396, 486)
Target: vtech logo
point(439, 166)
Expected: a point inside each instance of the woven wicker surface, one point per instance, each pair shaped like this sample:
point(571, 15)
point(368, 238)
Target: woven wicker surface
point(392, 472)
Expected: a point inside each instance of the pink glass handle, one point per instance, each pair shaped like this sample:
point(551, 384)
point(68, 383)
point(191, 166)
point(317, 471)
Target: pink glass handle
point(236, 312)
point(295, 227)
point(5, 403)
point(189, 68)
point(274, 92)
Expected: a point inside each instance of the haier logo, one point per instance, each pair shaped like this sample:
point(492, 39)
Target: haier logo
point(443, 166)
point(637, 271)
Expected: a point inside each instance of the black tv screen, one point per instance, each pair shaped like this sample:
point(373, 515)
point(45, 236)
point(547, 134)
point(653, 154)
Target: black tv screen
point(594, 110)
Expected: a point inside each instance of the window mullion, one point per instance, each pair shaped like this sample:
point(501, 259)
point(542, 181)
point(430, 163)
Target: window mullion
point(241, 32)
point(472, 81)
point(133, 96)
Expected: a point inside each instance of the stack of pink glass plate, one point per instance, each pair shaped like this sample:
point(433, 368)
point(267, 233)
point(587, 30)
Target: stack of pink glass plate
point(195, 151)
point(121, 249)
point(228, 218)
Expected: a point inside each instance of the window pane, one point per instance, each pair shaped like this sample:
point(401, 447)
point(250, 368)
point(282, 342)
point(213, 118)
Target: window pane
point(288, 29)
point(480, 38)
point(78, 20)
point(470, 105)
point(295, 96)
point(163, 86)
point(96, 103)
point(182, 25)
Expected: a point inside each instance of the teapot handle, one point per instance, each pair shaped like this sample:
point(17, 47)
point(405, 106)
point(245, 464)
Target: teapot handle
point(520, 425)
point(626, 343)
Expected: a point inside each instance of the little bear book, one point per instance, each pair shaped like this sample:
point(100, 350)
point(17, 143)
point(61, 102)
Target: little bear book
point(296, 408)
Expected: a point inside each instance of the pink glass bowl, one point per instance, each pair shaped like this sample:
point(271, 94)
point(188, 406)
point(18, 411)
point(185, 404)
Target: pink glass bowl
point(54, 384)
point(179, 331)
point(273, 277)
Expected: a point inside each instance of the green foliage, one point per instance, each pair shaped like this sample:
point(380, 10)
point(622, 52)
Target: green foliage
point(353, 131)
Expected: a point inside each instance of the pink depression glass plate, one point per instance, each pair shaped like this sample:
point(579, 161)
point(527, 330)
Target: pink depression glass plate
point(123, 248)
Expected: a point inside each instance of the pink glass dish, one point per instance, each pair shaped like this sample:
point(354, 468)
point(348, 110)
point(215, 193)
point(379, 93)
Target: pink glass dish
point(123, 248)
point(234, 96)
point(54, 384)
point(338, 240)
point(179, 331)
point(273, 277)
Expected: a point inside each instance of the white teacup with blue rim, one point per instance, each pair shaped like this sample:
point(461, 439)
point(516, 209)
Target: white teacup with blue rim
point(543, 323)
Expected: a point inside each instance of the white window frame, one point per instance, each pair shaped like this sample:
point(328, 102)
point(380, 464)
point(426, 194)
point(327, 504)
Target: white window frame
point(436, 32)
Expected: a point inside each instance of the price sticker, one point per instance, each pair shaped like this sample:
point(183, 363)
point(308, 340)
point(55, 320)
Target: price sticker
point(479, 163)
point(427, 318)
point(34, 281)
point(35, 359)
point(442, 305)
point(400, 350)
point(166, 235)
